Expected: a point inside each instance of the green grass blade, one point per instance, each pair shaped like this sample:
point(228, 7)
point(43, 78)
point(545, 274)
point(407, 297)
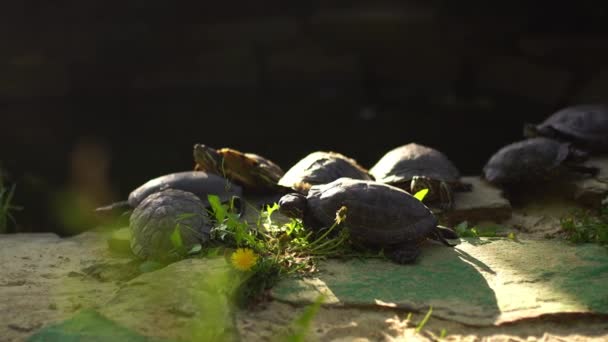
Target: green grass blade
point(176, 238)
point(422, 323)
point(301, 325)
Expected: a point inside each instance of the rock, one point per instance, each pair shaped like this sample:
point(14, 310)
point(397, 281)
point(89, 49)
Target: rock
point(42, 279)
point(83, 326)
point(190, 300)
point(484, 203)
point(592, 191)
point(480, 282)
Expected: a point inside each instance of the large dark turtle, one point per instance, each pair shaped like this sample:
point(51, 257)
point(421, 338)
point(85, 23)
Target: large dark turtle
point(535, 159)
point(156, 217)
point(413, 167)
point(321, 167)
point(199, 183)
point(584, 125)
point(253, 172)
point(378, 215)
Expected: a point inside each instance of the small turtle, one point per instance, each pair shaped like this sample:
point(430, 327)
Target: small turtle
point(378, 216)
point(321, 167)
point(535, 159)
point(413, 167)
point(197, 182)
point(585, 125)
point(155, 219)
point(253, 172)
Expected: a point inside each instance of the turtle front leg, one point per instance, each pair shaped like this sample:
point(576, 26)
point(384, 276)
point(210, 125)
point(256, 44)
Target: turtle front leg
point(446, 197)
point(404, 254)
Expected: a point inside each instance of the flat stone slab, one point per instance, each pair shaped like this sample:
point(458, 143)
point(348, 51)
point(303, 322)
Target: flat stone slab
point(484, 203)
point(479, 282)
point(187, 300)
point(592, 191)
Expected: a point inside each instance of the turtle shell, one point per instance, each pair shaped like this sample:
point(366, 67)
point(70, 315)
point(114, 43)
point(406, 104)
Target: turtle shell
point(154, 220)
point(402, 163)
point(525, 160)
point(199, 183)
point(321, 167)
point(378, 215)
point(586, 125)
point(252, 171)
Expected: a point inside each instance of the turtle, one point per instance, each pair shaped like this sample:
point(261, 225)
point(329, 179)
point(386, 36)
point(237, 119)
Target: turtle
point(413, 167)
point(379, 216)
point(536, 160)
point(156, 218)
point(584, 125)
point(321, 167)
point(199, 183)
point(256, 174)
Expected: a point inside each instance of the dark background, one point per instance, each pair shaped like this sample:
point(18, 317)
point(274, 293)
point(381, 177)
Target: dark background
point(96, 97)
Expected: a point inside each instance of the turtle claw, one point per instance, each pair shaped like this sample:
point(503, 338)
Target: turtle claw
point(405, 255)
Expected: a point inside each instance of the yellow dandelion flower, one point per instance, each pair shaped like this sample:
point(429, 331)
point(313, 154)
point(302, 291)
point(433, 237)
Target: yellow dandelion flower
point(341, 214)
point(243, 259)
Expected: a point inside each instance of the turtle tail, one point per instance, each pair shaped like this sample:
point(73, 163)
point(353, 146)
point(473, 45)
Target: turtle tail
point(440, 233)
point(114, 206)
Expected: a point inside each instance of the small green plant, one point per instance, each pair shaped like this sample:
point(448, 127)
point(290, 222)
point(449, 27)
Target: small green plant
point(426, 318)
point(300, 327)
point(583, 226)
point(268, 250)
point(6, 205)
point(464, 230)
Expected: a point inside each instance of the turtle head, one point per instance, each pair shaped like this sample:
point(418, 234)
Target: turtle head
point(576, 155)
point(530, 130)
point(293, 205)
point(438, 190)
point(207, 159)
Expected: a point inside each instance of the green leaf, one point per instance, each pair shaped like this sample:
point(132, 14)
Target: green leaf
point(271, 209)
point(219, 211)
point(176, 238)
point(195, 249)
point(421, 194)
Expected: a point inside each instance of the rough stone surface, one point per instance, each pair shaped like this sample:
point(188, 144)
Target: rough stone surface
point(187, 300)
point(480, 282)
point(484, 202)
point(592, 191)
point(52, 287)
point(43, 279)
